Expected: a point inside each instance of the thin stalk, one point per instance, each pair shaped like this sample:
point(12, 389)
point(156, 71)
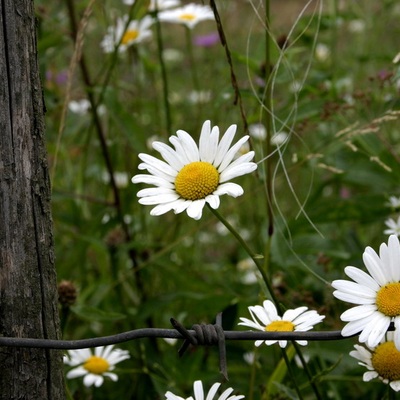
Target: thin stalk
point(307, 371)
point(160, 48)
point(255, 257)
point(289, 367)
point(250, 393)
point(268, 118)
point(189, 47)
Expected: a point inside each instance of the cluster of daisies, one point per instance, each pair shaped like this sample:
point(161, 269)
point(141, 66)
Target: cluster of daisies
point(128, 32)
point(191, 176)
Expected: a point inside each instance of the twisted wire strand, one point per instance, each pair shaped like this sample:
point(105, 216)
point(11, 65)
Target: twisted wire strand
point(165, 333)
point(200, 334)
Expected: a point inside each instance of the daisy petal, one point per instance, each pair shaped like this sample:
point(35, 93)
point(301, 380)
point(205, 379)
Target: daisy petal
point(231, 153)
point(358, 312)
point(373, 264)
point(368, 376)
point(361, 278)
point(395, 385)
point(230, 188)
point(169, 155)
point(213, 201)
point(213, 390)
point(195, 209)
point(209, 150)
point(223, 146)
point(189, 145)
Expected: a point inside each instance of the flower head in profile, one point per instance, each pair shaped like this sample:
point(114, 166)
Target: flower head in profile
point(382, 361)
point(200, 395)
point(125, 35)
point(376, 294)
point(189, 15)
point(94, 367)
point(394, 202)
point(192, 175)
point(266, 318)
point(393, 227)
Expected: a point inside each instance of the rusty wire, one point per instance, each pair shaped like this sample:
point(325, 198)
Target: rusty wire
point(199, 335)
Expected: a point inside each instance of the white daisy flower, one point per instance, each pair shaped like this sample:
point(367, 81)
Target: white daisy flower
point(189, 15)
point(394, 202)
point(266, 318)
point(94, 367)
point(377, 294)
point(157, 4)
point(121, 179)
point(322, 52)
point(199, 393)
point(199, 96)
point(357, 26)
point(279, 138)
point(136, 32)
point(394, 227)
point(192, 175)
point(80, 107)
point(258, 131)
point(382, 361)
point(250, 357)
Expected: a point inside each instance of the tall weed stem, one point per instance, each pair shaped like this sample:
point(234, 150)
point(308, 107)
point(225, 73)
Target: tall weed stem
point(160, 50)
point(255, 257)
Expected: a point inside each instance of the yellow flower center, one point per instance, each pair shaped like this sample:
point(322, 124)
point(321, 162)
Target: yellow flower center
point(388, 299)
point(129, 36)
point(187, 17)
point(96, 365)
point(280, 326)
point(386, 361)
point(196, 180)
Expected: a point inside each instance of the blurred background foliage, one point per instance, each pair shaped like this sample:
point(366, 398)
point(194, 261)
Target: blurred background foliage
point(335, 97)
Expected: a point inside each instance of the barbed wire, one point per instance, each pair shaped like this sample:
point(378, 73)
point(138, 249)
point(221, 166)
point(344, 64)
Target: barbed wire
point(170, 334)
point(200, 334)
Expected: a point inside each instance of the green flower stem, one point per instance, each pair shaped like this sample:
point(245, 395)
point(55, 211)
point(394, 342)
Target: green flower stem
point(193, 68)
point(307, 371)
point(255, 257)
point(268, 118)
point(68, 393)
point(160, 48)
point(334, 46)
point(289, 367)
point(250, 393)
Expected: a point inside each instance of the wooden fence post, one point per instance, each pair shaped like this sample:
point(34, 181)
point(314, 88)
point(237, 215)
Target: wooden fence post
point(28, 295)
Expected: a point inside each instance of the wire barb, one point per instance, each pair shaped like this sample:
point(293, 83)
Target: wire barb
point(205, 335)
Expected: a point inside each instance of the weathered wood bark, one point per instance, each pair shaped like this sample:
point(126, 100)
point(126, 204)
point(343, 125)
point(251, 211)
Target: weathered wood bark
point(28, 300)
